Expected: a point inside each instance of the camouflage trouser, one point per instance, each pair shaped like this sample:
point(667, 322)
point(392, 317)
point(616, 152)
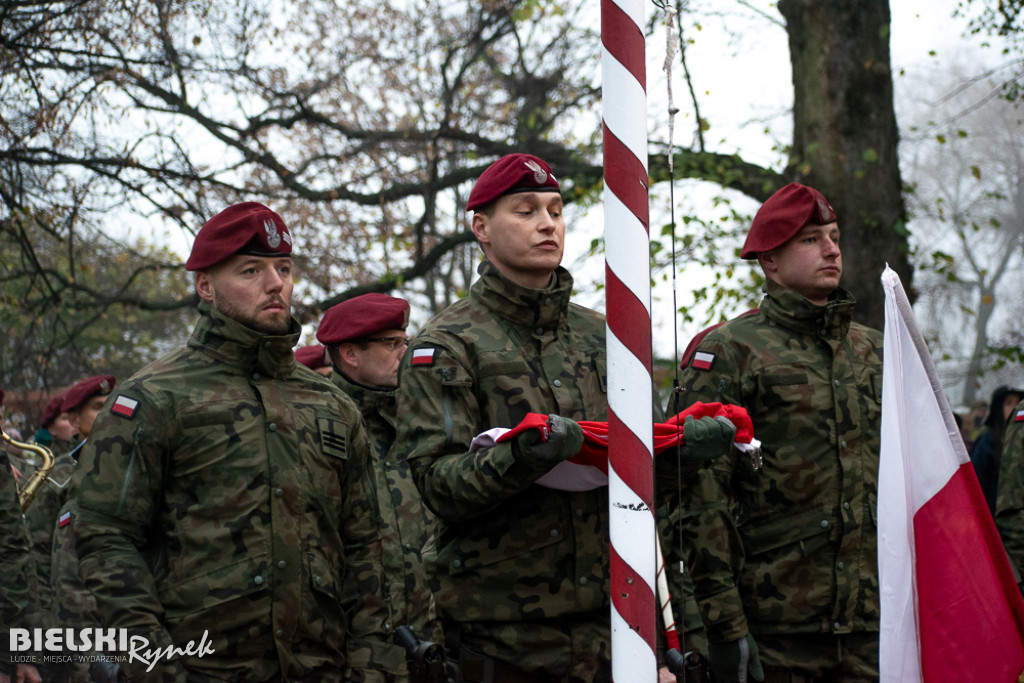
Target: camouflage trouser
point(819, 657)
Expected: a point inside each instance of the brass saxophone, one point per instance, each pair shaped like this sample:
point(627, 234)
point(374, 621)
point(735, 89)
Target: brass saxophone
point(27, 493)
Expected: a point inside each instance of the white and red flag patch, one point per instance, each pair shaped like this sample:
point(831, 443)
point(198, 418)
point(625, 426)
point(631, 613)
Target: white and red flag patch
point(124, 406)
point(423, 356)
point(702, 360)
point(1019, 416)
point(64, 520)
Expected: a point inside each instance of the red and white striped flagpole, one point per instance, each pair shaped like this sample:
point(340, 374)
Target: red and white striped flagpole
point(628, 302)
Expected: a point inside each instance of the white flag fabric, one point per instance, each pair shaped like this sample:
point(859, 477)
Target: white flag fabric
point(950, 609)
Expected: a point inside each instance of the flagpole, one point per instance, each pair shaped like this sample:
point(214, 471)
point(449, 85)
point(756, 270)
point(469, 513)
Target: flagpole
point(628, 303)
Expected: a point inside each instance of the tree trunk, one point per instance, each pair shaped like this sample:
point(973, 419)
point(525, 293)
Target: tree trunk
point(845, 136)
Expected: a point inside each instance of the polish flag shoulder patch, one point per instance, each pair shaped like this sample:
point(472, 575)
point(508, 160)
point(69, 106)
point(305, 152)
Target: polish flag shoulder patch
point(702, 360)
point(423, 356)
point(1019, 416)
point(64, 520)
point(124, 406)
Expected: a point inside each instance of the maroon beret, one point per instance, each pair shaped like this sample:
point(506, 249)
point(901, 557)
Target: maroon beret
point(246, 228)
point(361, 316)
point(53, 409)
point(510, 174)
point(783, 216)
point(311, 356)
point(98, 385)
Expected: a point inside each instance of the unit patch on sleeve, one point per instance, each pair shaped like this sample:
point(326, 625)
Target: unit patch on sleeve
point(423, 356)
point(124, 406)
point(702, 360)
point(1019, 417)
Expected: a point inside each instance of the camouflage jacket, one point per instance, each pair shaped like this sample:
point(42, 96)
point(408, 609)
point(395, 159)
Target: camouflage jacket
point(405, 522)
point(18, 586)
point(523, 570)
point(790, 549)
point(1010, 500)
point(224, 491)
point(41, 518)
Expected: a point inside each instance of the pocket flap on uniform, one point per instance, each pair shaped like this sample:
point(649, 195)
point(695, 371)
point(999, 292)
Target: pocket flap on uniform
point(322, 577)
point(760, 537)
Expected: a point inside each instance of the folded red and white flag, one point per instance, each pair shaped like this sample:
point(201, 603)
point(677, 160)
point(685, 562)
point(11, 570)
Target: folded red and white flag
point(588, 469)
point(950, 608)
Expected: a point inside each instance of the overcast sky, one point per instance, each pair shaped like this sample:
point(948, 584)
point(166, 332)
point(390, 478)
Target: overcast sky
point(740, 67)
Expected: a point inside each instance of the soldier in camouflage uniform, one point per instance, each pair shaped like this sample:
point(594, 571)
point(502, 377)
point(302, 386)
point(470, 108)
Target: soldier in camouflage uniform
point(18, 583)
point(224, 500)
point(1010, 499)
point(365, 338)
point(73, 604)
point(82, 402)
point(55, 429)
point(523, 569)
point(784, 559)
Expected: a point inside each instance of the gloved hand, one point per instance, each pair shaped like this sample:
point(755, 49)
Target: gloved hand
point(708, 437)
point(565, 437)
point(736, 661)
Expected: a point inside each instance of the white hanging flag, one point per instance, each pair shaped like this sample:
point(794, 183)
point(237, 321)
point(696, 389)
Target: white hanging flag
point(950, 608)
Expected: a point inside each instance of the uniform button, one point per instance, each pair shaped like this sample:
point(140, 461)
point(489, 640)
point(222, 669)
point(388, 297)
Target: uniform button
point(282, 564)
point(554, 533)
point(266, 345)
point(255, 377)
point(842, 444)
point(272, 426)
point(557, 382)
point(279, 492)
point(835, 382)
point(539, 330)
point(279, 633)
point(824, 524)
point(583, 581)
point(846, 505)
point(258, 580)
point(456, 563)
point(579, 512)
point(836, 626)
point(841, 565)
point(318, 580)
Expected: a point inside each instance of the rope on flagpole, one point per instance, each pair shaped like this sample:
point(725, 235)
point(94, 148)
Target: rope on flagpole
point(628, 301)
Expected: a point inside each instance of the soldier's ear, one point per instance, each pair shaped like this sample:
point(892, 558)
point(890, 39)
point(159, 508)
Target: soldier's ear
point(349, 352)
point(481, 228)
point(767, 261)
point(204, 286)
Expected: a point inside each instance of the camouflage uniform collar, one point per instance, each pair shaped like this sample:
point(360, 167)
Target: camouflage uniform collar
point(359, 393)
point(234, 344)
point(794, 311)
point(537, 308)
point(369, 401)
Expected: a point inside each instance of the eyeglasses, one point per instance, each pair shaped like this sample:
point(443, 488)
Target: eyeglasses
point(393, 343)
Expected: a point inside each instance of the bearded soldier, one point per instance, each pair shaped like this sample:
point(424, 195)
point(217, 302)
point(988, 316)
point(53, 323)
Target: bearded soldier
point(224, 499)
